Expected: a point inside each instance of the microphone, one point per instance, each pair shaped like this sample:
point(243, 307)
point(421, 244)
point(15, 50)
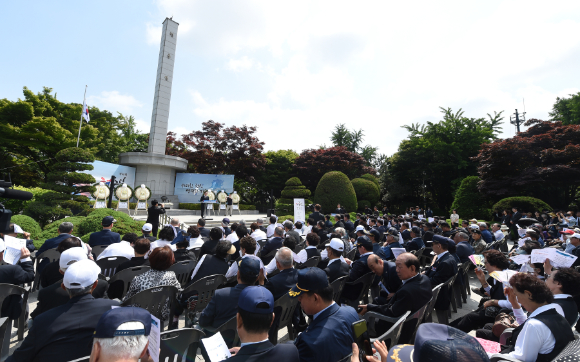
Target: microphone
point(15, 194)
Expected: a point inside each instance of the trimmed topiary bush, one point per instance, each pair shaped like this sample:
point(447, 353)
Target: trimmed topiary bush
point(51, 230)
point(469, 202)
point(335, 188)
point(368, 176)
point(523, 203)
point(27, 224)
point(293, 190)
point(366, 190)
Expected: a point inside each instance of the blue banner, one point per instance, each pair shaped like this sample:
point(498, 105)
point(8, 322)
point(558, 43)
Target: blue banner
point(189, 187)
point(103, 171)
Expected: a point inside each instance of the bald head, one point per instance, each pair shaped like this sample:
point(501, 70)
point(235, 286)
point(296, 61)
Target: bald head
point(284, 258)
point(375, 264)
point(407, 266)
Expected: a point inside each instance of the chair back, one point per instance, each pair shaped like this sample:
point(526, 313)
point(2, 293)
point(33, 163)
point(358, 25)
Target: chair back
point(337, 286)
point(346, 358)
point(153, 300)
point(109, 265)
point(419, 253)
point(312, 262)
point(274, 272)
point(268, 258)
point(287, 305)
point(231, 325)
point(350, 255)
point(299, 248)
point(205, 288)
point(51, 255)
point(196, 252)
point(183, 270)
point(127, 276)
point(391, 337)
point(97, 250)
point(174, 344)
point(10, 289)
point(366, 281)
point(418, 315)
point(427, 317)
point(261, 242)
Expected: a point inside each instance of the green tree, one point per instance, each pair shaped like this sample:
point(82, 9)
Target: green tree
point(469, 202)
point(335, 188)
point(366, 190)
point(352, 140)
point(436, 157)
point(278, 169)
point(294, 189)
point(34, 129)
point(567, 110)
point(66, 185)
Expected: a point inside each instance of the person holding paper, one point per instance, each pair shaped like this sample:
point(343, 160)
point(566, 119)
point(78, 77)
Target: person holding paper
point(19, 273)
point(254, 317)
point(415, 291)
point(14, 230)
point(122, 333)
point(65, 333)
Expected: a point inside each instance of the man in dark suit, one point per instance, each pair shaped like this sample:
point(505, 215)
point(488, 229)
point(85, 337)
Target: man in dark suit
point(105, 236)
point(413, 294)
point(443, 268)
point(203, 206)
point(20, 273)
point(147, 229)
point(514, 219)
point(224, 304)
point(416, 242)
point(290, 232)
point(338, 221)
point(348, 225)
point(358, 268)
point(255, 314)
point(153, 213)
point(316, 215)
point(274, 243)
point(53, 295)
point(389, 280)
point(210, 246)
point(392, 242)
point(203, 232)
point(464, 250)
point(260, 223)
point(405, 232)
point(141, 247)
point(335, 267)
point(329, 336)
point(339, 210)
point(65, 333)
point(64, 230)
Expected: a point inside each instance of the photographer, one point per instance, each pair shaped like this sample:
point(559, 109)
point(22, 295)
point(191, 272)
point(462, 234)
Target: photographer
point(153, 213)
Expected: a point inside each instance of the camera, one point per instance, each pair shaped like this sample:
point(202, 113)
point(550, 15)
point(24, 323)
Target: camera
point(7, 193)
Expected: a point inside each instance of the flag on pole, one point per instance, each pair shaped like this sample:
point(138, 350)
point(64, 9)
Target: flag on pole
point(86, 112)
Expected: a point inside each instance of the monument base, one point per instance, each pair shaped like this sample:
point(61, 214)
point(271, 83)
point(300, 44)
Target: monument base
point(156, 171)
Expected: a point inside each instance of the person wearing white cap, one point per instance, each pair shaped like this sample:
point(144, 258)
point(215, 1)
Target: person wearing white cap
point(147, 228)
point(20, 273)
point(336, 266)
point(53, 295)
point(65, 333)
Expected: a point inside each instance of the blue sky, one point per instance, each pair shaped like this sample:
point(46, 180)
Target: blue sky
point(296, 69)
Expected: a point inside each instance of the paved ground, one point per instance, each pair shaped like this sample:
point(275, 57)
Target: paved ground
point(472, 303)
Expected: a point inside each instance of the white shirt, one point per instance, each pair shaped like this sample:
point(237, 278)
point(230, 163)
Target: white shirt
point(161, 243)
point(123, 249)
point(233, 237)
point(534, 338)
point(302, 256)
point(454, 218)
point(498, 235)
point(307, 230)
point(272, 264)
point(270, 230)
point(233, 270)
point(195, 243)
point(259, 235)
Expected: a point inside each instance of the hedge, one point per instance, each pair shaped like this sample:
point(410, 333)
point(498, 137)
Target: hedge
point(335, 188)
point(469, 202)
point(27, 224)
point(190, 206)
point(373, 179)
point(523, 203)
point(293, 181)
point(363, 203)
point(366, 190)
point(51, 230)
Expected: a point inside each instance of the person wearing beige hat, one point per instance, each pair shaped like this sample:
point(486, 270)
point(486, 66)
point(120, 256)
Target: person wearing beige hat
point(65, 333)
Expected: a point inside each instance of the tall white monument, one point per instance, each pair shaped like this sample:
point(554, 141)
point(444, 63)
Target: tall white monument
point(154, 168)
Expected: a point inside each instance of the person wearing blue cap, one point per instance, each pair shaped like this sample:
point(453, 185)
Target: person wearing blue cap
point(105, 236)
point(416, 242)
point(358, 268)
point(254, 318)
point(443, 267)
point(122, 335)
point(329, 335)
point(393, 241)
point(223, 305)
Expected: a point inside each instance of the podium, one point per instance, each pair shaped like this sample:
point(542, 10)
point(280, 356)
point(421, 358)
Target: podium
point(209, 205)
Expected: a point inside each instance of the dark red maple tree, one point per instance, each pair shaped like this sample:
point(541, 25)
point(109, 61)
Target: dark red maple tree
point(312, 164)
point(217, 149)
point(543, 162)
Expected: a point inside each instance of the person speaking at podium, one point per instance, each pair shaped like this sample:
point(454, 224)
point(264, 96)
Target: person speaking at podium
point(203, 206)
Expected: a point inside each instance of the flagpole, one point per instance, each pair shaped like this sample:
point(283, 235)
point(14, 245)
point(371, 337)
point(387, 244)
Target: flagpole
point(82, 110)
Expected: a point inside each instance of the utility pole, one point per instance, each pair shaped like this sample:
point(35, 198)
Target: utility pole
point(515, 119)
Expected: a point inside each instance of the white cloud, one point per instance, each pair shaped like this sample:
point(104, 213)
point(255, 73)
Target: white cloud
point(243, 63)
point(113, 101)
point(153, 34)
point(142, 126)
